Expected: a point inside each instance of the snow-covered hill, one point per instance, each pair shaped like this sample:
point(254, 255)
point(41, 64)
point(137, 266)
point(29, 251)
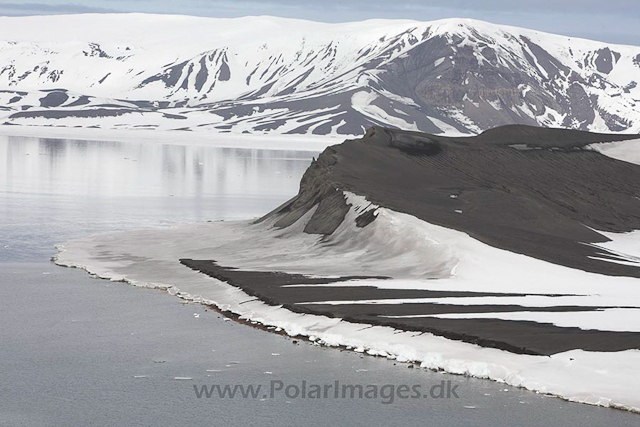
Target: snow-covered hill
point(266, 74)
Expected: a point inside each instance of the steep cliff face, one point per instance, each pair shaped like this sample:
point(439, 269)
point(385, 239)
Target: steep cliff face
point(540, 192)
point(318, 193)
point(466, 71)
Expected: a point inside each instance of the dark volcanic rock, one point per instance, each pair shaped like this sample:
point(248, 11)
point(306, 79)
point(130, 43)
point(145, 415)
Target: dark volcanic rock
point(529, 190)
point(54, 99)
point(521, 337)
point(535, 191)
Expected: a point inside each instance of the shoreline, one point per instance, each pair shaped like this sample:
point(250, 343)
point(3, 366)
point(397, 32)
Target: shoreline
point(411, 364)
point(240, 319)
point(550, 331)
point(293, 142)
point(297, 293)
point(484, 363)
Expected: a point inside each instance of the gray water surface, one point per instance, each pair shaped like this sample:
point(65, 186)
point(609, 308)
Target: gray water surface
point(77, 351)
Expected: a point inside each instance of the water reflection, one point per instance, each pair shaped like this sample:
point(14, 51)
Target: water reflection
point(144, 169)
point(52, 190)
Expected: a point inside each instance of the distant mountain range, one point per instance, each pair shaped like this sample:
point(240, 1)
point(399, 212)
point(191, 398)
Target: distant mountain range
point(266, 74)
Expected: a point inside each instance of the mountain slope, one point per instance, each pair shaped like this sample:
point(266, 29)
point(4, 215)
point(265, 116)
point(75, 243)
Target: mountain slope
point(265, 74)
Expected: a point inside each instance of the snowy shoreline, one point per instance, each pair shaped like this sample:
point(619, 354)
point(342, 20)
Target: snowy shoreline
point(572, 309)
point(137, 258)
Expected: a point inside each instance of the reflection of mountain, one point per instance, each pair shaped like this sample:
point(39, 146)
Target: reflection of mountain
point(264, 74)
point(140, 170)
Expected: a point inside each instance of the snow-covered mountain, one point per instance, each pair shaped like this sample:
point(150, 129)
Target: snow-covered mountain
point(266, 74)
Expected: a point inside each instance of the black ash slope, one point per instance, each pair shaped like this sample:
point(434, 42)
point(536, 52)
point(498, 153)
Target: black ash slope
point(529, 190)
point(539, 192)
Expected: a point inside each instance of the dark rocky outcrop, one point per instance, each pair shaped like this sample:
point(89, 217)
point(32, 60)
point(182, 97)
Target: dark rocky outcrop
point(536, 191)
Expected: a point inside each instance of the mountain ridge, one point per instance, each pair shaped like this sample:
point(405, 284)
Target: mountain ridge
point(277, 75)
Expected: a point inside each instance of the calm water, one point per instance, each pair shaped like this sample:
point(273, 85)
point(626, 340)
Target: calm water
point(77, 351)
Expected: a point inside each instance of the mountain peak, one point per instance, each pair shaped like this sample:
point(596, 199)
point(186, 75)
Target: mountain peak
point(279, 75)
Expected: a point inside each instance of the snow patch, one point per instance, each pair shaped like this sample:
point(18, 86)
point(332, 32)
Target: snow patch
point(397, 244)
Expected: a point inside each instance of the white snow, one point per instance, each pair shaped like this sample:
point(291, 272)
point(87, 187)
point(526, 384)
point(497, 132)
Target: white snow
point(616, 319)
point(363, 102)
point(258, 61)
point(495, 103)
point(421, 256)
point(627, 151)
point(446, 129)
point(623, 243)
